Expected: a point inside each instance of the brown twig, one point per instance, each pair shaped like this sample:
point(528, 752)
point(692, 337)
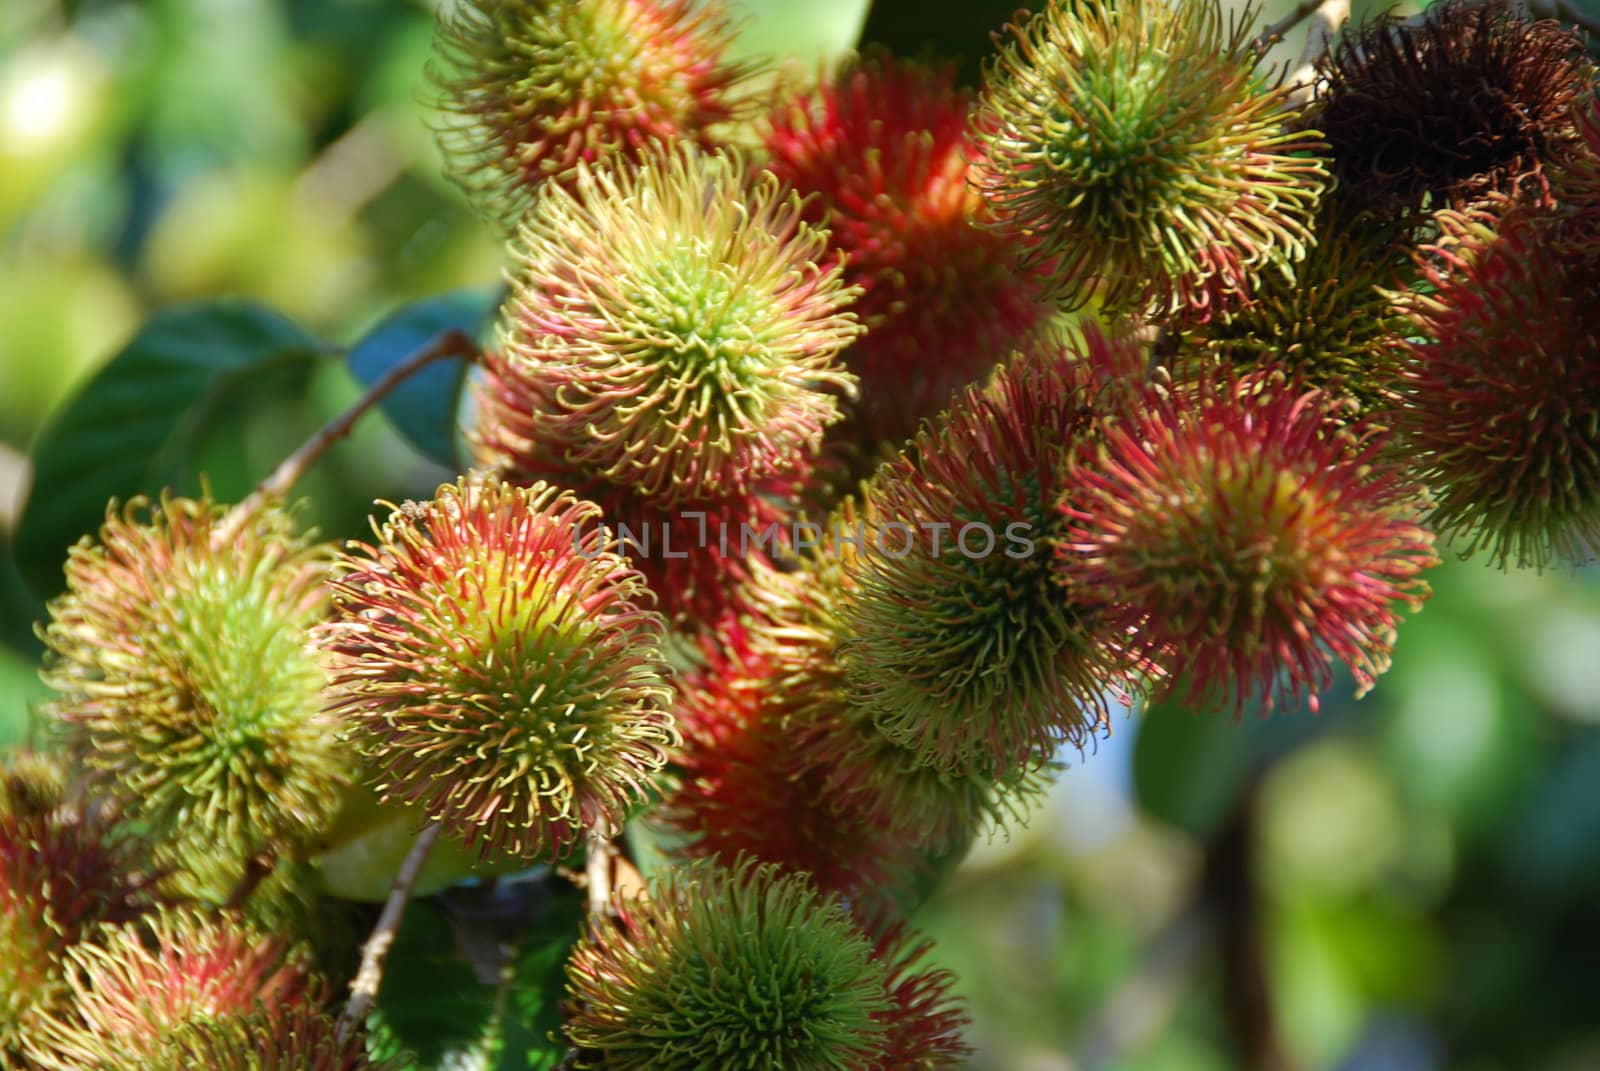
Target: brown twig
point(1280, 29)
point(282, 479)
point(364, 989)
point(597, 871)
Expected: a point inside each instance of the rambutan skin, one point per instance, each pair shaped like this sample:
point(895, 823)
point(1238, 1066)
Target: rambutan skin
point(187, 681)
point(1468, 100)
point(500, 665)
point(1245, 540)
point(139, 987)
point(731, 966)
point(674, 327)
point(533, 88)
point(1135, 146)
point(957, 640)
point(881, 151)
point(1501, 406)
point(299, 1037)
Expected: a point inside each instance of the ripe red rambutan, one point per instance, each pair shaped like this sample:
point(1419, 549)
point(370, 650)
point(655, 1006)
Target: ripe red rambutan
point(498, 663)
point(532, 88)
point(925, 1020)
point(1244, 539)
point(881, 151)
point(1501, 409)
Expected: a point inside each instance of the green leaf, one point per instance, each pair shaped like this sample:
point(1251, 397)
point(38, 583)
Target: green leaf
point(431, 1000)
point(954, 31)
point(161, 413)
point(424, 407)
point(538, 984)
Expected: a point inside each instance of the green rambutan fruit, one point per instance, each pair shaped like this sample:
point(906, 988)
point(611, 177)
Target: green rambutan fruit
point(532, 88)
point(139, 987)
point(1244, 537)
point(1135, 146)
point(731, 967)
point(1334, 322)
point(499, 664)
point(299, 1037)
point(1501, 408)
point(956, 638)
point(187, 683)
point(674, 328)
point(1468, 100)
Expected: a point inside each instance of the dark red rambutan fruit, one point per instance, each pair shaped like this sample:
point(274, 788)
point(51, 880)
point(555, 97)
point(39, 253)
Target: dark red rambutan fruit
point(1244, 539)
point(1466, 100)
point(1501, 410)
point(532, 88)
point(881, 150)
point(498, 662)
point(925, 1019)
point(956, 639)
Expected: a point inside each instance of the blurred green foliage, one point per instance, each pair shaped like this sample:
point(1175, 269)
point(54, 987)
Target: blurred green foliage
point(1421, 867)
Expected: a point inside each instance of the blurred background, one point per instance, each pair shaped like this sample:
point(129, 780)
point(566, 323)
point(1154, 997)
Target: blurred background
point(1405, 883)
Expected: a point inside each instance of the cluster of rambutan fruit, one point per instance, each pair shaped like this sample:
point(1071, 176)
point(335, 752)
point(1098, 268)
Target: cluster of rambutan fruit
point(958, 418)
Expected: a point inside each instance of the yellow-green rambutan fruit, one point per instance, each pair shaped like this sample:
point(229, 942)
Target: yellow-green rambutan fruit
point(532, 88)
point(675, 328)
point(298, 1037)
point(187, 682)
point(1136, 147)
point(732, 967)
point(139, 987)
point(500, 665)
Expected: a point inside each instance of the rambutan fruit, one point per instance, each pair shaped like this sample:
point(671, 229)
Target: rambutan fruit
point(925, 1020)
point(1334, 323)
point(295, 1038)
point(729, 966)
point(1468, 99)
point(139, 987)
point(673, 328)
point(956, 638)
point(1135, 146)
point(881, 151)
point(500, 665)
point(187, 682)
point(1501, 407)
point(1244, 539)
point(63, 874)
point(533, 88)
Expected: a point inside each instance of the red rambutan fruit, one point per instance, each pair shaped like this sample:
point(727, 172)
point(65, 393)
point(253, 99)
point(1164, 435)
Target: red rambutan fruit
point(532, 88)
point(881, 151)
point(1501, 408)
point(1244, 539)
point(500, 666)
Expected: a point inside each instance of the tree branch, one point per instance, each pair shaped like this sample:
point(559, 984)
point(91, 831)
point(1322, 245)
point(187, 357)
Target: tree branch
point(364, 989)
point(1280, 29)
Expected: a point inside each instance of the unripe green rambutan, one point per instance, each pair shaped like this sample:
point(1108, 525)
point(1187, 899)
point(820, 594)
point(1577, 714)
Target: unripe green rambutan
point(673, 329)
point(298, 1037)
point(139, 988)
point(188, 685)
point(498, 663)
point(1246, 538)
point(728, 967)
point(957, 640)
point(1136, 145)
point(536, 87)
point(1334, 322)
point(1501, 408)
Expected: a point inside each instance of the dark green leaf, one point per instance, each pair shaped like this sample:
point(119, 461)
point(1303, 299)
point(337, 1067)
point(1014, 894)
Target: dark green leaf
point(954, 31)
point(424, 407)
point(164, 411)
point(432, 1001)
point(538, 983)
